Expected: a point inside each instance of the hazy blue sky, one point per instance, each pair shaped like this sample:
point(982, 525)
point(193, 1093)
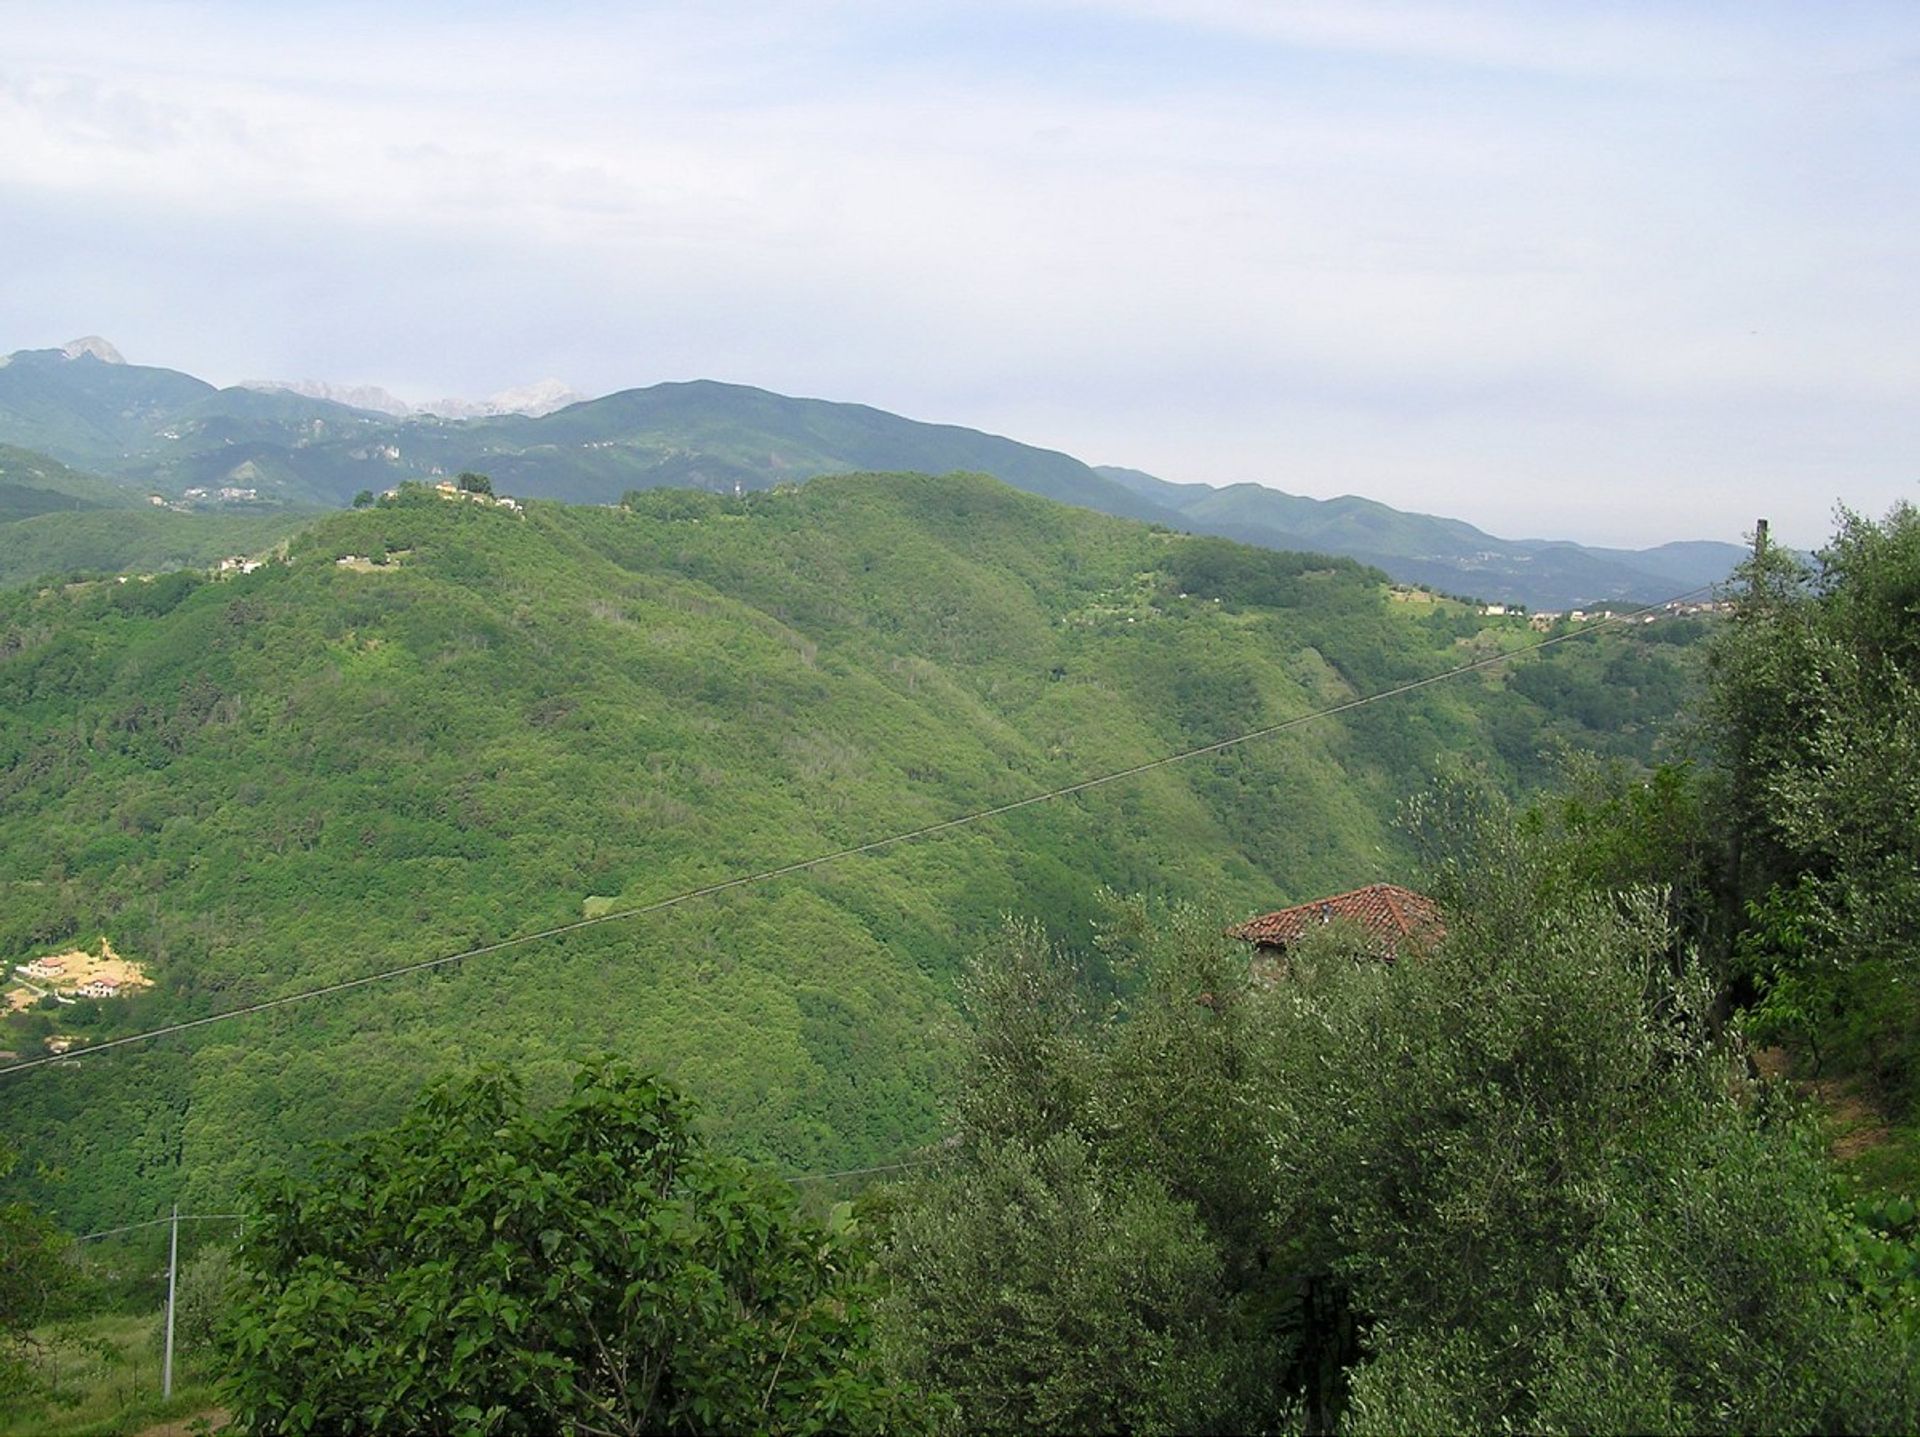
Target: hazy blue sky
point(1615, 272)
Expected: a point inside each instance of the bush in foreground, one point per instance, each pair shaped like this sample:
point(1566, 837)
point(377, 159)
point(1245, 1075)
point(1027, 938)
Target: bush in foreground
point(594, 1268)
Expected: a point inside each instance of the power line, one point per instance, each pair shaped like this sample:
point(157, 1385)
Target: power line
point(162, 1222)
point(837, 855)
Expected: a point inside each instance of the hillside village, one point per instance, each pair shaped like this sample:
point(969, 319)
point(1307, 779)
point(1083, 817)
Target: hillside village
point(63, 980)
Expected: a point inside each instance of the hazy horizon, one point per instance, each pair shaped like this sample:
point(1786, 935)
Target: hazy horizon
point(1622, 276)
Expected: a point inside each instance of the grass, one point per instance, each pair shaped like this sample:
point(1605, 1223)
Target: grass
point(100, 1377)
point(1891, 1167)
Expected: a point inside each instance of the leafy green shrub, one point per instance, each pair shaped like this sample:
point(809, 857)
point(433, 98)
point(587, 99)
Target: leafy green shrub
point(208, 1293)
point(594, 1267)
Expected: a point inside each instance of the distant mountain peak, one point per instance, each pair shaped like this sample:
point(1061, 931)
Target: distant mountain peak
point(533, 400)
point(541, 397)
point(356, 396)
point(92, 345)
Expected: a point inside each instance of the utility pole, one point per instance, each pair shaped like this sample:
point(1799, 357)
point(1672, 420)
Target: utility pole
point(173, 1274)
point(1759, 538)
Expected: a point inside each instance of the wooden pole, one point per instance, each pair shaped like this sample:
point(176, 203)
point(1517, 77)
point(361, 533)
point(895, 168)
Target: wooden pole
point(173, 1274)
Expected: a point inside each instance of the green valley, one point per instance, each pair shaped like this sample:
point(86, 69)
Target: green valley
point(436, 724)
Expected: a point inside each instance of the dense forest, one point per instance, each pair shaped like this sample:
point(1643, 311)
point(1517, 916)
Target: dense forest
point(1572, 1169)
point(438, 724)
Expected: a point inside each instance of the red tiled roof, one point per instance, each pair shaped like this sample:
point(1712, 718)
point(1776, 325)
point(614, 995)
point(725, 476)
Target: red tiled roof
point(1391, 915)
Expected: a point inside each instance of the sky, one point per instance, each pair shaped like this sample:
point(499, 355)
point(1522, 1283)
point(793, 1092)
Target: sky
point(1615, 272)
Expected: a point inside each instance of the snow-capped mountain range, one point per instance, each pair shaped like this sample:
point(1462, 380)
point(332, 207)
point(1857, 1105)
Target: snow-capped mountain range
point(541, 397)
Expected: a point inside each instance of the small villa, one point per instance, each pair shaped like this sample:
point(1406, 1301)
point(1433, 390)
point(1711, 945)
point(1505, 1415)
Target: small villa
point(1391, 920)
point(80, 972)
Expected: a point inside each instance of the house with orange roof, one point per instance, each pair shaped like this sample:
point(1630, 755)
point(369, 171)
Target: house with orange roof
point(1393, 920)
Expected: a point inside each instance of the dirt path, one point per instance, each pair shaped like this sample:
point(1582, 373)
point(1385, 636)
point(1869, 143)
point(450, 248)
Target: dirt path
point(1854, 1124)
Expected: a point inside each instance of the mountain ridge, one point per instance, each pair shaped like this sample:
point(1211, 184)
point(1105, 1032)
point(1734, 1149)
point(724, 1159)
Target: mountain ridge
point(174, 433)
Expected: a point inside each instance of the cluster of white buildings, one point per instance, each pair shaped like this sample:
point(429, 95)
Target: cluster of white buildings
point(54, 970)
point(200, 494)
point(1681, 609)
point(447, 489)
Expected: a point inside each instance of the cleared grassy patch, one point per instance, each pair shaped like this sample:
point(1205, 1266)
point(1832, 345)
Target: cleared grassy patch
point(100, 1377)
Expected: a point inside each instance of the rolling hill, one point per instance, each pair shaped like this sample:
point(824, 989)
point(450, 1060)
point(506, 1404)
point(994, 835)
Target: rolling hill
point(435, 724)
point(162, 430)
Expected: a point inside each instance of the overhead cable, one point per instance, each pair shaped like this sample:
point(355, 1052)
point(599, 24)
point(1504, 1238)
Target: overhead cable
point(837, 855)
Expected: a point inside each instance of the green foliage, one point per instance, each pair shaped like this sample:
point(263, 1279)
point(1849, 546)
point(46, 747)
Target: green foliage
point(136, 541)
point(1055, 1294)
point(471, 483)
point(38, 481)
point(315, 771)
point(1086, 1256)
point(100, 1376)
point(1567, 1209)
point(1522, 1183)
point(594, 1267)
point(1544, 1182)
point(363, 499)
point(1815, 711)
point(1238, 575)
point(35, 1278)
point(1607, 829)
point(208, 1291)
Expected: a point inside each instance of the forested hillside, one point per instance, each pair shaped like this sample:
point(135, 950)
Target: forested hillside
point(439, 723)
point(55, 520)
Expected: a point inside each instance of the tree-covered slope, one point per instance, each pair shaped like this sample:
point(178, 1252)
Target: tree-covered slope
point(709, 435)
point(26, 469)
point(57, 521)
point(170, 431)
point(480, 725)
point(133, 541)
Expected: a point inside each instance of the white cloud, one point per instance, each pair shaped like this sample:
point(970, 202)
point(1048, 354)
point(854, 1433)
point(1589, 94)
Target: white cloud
point(1567, 230)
